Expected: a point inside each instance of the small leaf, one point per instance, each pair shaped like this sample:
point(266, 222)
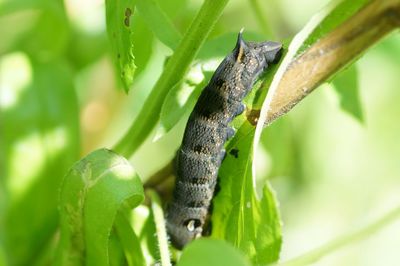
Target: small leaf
point(129, 240)
point(181, 99)
point(238, 216)
point(143, 39)
point(211, 252)
point(346, 85)
point(148, 238)
point(119, 27)
point(91, 195)
point(159, 23)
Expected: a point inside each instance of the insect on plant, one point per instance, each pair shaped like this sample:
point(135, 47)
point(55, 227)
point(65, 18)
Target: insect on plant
point(132, 134)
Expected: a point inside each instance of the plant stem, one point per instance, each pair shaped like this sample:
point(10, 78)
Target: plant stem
point(160, 228)
point(320, 252)
point(175, 71)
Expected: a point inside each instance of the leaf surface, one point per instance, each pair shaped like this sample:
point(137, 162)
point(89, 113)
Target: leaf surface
point(211, 252)
point(39, 129)
point(119, 27)
point(91, 194)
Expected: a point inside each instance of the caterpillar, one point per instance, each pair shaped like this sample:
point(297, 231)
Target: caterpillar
point(202, 150)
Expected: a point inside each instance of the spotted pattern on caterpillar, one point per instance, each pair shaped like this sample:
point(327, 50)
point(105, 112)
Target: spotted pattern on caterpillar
point(202, 149)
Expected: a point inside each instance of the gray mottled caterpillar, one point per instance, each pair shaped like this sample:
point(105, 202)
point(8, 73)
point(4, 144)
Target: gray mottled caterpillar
point(202, 149)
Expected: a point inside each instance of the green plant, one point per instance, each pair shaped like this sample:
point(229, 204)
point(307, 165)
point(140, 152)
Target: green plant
point(57, 208)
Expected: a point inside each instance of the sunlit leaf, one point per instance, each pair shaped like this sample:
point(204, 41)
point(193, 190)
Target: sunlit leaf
point(211, 252)
point(11, 36)
point(119, 27)
point(40, 140)
point(180, 100)
point(250, 224)
point(143, 39)
point(129, 241)
point(148, 239)
point(91, 195)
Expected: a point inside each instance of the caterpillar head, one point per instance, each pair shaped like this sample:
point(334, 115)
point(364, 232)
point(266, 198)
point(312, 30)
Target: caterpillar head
point(265, 52)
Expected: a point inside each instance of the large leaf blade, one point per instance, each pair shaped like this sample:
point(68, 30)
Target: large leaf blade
point(248, 223)
point(91, 195)
point(40, 140)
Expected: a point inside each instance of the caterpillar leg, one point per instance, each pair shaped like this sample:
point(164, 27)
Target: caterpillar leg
point(230, 132)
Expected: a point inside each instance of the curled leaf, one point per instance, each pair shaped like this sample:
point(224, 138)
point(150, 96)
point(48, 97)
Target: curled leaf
point(91, 195)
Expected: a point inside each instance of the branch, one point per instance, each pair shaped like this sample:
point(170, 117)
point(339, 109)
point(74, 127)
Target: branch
point(331, 53)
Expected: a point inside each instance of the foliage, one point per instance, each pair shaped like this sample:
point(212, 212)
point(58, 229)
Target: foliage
point(68, 210)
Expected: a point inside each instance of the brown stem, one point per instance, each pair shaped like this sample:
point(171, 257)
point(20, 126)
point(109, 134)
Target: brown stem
point(331, 53)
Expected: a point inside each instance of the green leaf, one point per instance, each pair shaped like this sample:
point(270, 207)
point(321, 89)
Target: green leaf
point(242, 219)
point(86, 48)
point(180, 100)
point(39, 142)
point(129, 241)
point(91, 194)
point(119, 27)
point(346, 85)
point(143, 39)
point(148, 238)
point(10, 36)
point(159, 23)
point(281, 142)
point(44, 34)
point(2, 257)
point(170, 8)
point(211, 252)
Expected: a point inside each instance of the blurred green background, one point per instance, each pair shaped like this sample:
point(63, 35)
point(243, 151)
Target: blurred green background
point(60, 99)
